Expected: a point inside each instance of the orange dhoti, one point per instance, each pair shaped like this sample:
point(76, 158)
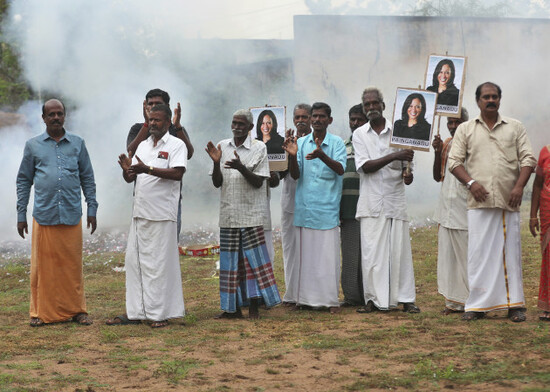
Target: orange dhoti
point(57, 284)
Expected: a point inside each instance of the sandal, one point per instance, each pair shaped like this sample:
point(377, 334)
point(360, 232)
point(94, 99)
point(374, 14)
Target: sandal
point(226, 315)
point(517, 315)
point(470, 316)
point(334, 309)
point(36, 322)
point(122, 320)
point(82, 319)
point(159, 324)
point(545, 316)
point(368, 308)
point(410, 308)
point(448, 311)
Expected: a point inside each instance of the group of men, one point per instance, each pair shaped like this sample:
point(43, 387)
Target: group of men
point(338, 197)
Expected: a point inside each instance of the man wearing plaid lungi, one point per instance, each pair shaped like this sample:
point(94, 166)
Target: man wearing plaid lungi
point(246, 275)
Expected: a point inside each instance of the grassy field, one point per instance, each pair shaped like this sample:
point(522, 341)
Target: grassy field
point(283, 351)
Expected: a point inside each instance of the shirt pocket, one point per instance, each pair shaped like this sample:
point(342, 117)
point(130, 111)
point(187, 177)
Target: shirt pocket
point(160, 163)
point(509, 150)
point(396, 165)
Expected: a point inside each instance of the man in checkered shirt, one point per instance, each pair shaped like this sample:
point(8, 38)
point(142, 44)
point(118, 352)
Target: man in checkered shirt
point(246, 275)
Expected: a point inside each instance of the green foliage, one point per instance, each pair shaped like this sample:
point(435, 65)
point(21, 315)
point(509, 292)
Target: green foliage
point(13, 90)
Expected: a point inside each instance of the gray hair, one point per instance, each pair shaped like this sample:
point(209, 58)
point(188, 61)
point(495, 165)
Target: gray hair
point(464, 116)
point(303, 106)
point(245, 113)
point(375, 90)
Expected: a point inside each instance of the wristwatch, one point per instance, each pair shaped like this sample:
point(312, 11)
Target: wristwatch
point(470, 183)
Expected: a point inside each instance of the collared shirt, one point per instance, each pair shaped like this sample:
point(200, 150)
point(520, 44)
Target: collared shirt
point(58, 170)
point(319, 188)
point(494, 158)
point(350, 185)
point(451, 211)
point(157, 198)
point(241, 204)
point(382, 190)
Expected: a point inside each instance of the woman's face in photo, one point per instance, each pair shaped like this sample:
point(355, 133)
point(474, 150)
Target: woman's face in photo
point(267, 125)
point(414, 110)
point(444, 75)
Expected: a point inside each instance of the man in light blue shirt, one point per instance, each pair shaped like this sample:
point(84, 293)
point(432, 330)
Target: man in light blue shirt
point(58, 165)
point(317, 162)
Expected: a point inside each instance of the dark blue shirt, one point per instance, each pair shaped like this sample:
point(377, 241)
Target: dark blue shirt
point(57, 170)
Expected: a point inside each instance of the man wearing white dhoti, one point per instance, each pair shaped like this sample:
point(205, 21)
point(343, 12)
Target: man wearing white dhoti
point(290, 235)
point(386, 257)
point(317, 162)
point(499, 163)
point(153, 275)
point(452, 216)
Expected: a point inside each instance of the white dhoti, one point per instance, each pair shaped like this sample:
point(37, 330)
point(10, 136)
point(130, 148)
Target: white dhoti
point(268, 235)
point(386, 260)
point(153, 274)
point(319, 267)
point(291, 255)
point(452, 262)
point(494, 260)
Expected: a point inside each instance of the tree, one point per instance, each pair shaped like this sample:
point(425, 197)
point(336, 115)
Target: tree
point(13, 89)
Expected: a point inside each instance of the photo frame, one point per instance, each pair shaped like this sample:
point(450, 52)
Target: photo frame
point(445, 75)
point(269, 127)
point(413, 119)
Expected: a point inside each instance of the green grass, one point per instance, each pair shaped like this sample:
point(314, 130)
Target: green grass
point(285, 350)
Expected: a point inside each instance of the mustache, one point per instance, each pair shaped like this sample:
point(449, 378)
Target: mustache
point(371, 112)
point(491, 105)
point(301, 124)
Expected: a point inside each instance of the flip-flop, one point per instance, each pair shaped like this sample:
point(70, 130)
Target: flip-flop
point(448, 311)
point(470, 316)
point(159, 324)
point(410, 307)
point(122, 320)
point(517, 315)
point(82, 319)
point(368, 308)
point(545, 316)
point(36, 322)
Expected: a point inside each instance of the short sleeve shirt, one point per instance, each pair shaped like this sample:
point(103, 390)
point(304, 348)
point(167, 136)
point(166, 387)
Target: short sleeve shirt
point(157, 198)
point(383, 191)
point(319, 188)
point(241, 204)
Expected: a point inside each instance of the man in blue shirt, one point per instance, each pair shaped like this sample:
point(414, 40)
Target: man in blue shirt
point(317, 162)
point(57, 163)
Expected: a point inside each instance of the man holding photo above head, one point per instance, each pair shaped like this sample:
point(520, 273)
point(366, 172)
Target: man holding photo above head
point(290, 235)
point(499, 163)
point(452, 216)
point(317, 162)
point(386, 256)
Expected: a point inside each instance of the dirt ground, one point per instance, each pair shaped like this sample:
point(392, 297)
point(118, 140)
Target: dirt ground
point(286, 350)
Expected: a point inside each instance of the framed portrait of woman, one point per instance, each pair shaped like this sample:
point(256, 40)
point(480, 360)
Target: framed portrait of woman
point(413, 119)
point(445, 75)
point(269, 127)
